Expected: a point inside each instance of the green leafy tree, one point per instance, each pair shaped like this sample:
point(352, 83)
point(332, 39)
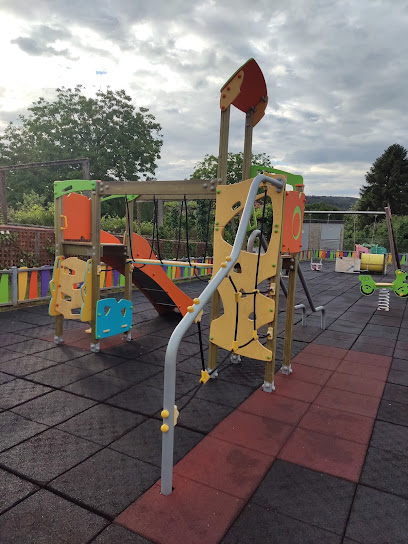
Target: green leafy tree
point(122, 143)
point(207, 168)
point(387, 182)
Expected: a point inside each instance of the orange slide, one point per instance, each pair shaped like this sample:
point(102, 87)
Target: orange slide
point(150, 279)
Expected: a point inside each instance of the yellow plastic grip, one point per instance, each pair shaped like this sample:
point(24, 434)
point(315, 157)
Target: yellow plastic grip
point(64, 217)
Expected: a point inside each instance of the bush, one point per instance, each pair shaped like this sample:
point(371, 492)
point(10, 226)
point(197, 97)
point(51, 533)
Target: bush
point(32, 211)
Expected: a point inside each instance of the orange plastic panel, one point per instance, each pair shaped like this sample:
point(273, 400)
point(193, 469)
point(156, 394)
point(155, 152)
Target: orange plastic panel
point(293, 222)
point(77, 210)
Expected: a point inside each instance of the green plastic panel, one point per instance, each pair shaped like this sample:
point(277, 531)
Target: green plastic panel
point(129, 197)
point(65, 187)
point(292, 179)
point(4, 289)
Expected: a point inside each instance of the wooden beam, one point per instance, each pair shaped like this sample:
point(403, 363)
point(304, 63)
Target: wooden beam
point(249, 127)
point(29, 165)
point(165, 190)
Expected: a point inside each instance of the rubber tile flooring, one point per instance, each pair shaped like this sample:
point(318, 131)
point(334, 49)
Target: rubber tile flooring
point(323, 459)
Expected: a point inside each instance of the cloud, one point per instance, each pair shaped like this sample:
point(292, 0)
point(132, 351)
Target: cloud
point(37, 44)
point(335, 72)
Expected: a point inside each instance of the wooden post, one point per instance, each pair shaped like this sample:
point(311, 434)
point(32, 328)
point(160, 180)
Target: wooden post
point(271, 342)
point(247, 159)
point(129, 265)
point(290, 309)
point(221, 174)
point(3, 196)
point(96, 259)
point(59, 319)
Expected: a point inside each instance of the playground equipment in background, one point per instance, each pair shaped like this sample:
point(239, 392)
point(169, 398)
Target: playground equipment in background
point(398, 286)
point(373, 262)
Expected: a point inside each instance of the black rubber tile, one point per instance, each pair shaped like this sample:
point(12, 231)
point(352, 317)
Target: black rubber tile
point(378, 517)
point(191, 365)
point(200, 415)
point(45, 518)
point(4, 378)
point(59, 375)
point(222, 392)
point(145, 442)
point(401, 353)
point(113, 481)
point(96, 361)
point(13, 489)
point(393, 412)
point(399, 364)
point(386, 320)
point(304, 494)
point(139, 398)
point(304, 334)
point(15, 429)
point(30, 347)
point(10, 338)
point(35, 318)
point(17, 391)
point(366, 345)
point(390, 437)
point(47, 455)
point(62, 354)
point(328, 338)
point(115, 534)
point(185, 382)
point(399, 377)
point(379, 331)
point(343, 325)
point(14, 326)
point(53, 408)
point(98, 386)
point(8, 355)
point(397, 393)
point(133, 371)
point(38, 332)
point(248, 372)
point(101, 424)
point(386, 471)
point(133, 350)
point(263, 526)
point(26, 365)
point(154, 357)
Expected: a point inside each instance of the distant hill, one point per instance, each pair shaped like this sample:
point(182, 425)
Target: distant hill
point(340, 202)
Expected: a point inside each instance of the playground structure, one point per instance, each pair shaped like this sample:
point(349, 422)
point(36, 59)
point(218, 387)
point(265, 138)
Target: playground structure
point(245, 281)
point(398, 286)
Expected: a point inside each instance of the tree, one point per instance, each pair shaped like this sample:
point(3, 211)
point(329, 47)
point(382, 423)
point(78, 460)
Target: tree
point(121, 142)
point(207, 168)
point(387, 182)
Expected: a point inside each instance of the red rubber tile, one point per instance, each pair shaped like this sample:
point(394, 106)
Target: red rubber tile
point(288, 386)
point(318, 361)
point(324, 453)
point(346, 401)
point(338, 423)
point(274, 407)
point(357, 384)
point(311, 374)
point(326, 351)
point(368, 371)
point(225, 466)
point(257, 433)
point(368, 358)
point(193, 514)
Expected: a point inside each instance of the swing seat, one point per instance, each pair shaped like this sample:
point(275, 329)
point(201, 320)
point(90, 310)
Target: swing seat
point(316, 266)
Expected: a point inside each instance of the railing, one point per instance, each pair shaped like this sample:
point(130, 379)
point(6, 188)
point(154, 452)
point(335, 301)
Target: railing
point(308, 254)
point(26, 285)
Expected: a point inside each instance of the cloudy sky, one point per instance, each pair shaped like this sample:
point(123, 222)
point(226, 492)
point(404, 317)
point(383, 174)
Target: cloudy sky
point(336, 73)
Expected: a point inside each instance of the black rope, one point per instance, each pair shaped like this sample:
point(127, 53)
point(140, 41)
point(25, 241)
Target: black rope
point(156, 224)
point(259, 256)
point(200, 339)
point(179, 230)
point(188, 245)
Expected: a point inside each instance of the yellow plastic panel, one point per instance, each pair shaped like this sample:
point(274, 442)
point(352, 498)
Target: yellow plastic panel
point(86, 293)
point(69, 298)
point(231, 90)
point(223, 329)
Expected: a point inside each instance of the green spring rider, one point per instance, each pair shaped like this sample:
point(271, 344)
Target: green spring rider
point(400, 288)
